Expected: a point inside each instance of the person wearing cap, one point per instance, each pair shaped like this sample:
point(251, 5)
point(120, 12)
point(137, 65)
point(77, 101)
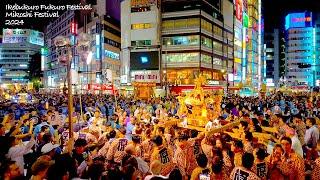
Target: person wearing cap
point(116, 150)
point(49, 149)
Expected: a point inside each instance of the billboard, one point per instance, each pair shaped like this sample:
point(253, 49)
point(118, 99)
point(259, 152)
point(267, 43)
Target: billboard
point(239, 9)
point(144, 60)
point(297, 20)
point(22, 36)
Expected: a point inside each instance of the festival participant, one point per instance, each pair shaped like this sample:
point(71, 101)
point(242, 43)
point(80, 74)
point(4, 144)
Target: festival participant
point(292, 164)
point(274, 162)
point(207, 146)
point(221, 145)
point(183, 156)
point(260, 167)
point(39, 169)
point(244, 171)
point(300, 127)
point(147, 146)
point(79, 151)
point(17, 150)
point(116, 150)
point(11, 171)
point(247, 142)
point(315, 175)
point(110, 138)
point(219, 172)
point(237, 149)
point(201, 171)
point(312, 133)
point(163, 154)
point(296, 145)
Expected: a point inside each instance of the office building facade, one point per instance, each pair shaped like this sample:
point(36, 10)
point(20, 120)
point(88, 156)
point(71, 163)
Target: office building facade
point(16, 51)
point(140, 41)
point(301, 49)
point(272, 55)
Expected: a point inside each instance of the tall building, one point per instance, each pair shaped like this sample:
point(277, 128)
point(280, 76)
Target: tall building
point(140, 41)
point(17, 47)
point(54, 72)
point(301, 49)
point(272, 55)
point(197, 39)
point(105, 45)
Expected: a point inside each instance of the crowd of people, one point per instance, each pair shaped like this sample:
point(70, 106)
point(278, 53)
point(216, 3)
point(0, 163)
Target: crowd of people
point(126, 139)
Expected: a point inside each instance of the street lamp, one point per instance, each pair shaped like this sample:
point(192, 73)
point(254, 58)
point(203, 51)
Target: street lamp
point(63, 44)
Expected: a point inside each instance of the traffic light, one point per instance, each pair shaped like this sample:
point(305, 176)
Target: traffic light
point(74, 28)
point(302, 65)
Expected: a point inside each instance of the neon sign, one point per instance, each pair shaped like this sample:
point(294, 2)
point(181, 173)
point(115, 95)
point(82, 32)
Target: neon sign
point(298, 20)
point(303, 19)
point(239, 10)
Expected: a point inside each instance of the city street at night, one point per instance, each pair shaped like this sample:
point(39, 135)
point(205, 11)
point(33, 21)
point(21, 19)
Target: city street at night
point(160, 90)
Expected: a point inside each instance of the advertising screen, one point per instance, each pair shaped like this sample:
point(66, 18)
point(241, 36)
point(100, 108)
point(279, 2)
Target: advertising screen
point(144, 60)
point(297, 20)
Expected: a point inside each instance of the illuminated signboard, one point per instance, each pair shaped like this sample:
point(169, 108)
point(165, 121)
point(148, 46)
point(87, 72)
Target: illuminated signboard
point(297, 20)
point(112, 55)
point(239, 9)
point(245, 20)
point(142, 3)
point(22, 36)
point(36, 38)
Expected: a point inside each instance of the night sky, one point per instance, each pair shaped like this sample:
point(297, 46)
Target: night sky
point(113, 8)
point(276, 10)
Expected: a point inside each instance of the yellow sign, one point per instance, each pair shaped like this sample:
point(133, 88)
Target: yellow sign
point(237, 60)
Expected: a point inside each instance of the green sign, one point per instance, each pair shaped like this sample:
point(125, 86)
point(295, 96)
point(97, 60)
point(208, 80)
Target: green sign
point(44, 51)
point(245, 20)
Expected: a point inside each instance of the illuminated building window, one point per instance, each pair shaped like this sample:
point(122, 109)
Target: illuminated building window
point(182, 57)
point(217, 61)
point(206, 58)
point(217, 30)
point(181, 23)
point(141, 26)
point(181, 40)
point(206, 25)
point(217, 46)
point(206, 42)
point(141, 43)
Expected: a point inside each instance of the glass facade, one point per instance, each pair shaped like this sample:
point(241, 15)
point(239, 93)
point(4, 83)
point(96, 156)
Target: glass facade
point(181, 40)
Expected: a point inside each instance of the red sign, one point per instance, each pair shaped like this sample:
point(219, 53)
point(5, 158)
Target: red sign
point(302, 19)
point(74, 28)
point(239, 9)
point(103, 87)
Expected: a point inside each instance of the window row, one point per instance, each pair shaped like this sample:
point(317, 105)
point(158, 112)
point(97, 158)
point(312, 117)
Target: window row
point(141, 26)
point(181, 23)
point(141, 43)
